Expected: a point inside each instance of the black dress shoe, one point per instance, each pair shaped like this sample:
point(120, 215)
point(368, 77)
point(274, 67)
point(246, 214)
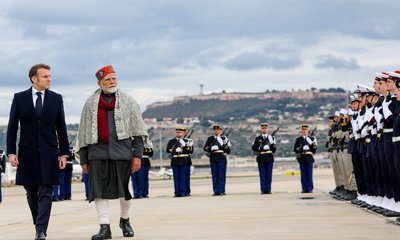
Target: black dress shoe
point(40, 236)
point(127, 230)
point(364, 205)
point(104, 232)
point(392, 214)
point(217, 194)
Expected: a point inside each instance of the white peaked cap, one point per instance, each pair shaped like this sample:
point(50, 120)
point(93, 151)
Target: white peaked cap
point(343, 111)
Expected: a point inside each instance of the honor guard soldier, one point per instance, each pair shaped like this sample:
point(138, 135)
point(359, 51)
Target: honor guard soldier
point(218, 146)
point(337, 171)
point(305, 146)
point(264, 146)
point(388, 111)
point(179, 149)
point(140, 179)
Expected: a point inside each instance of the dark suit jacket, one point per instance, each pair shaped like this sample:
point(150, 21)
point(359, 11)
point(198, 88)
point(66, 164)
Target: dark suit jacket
point(42, 139)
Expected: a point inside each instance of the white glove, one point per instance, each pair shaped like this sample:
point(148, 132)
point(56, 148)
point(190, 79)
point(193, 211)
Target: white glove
point(220, 141)
point(182, 142)
point(386, 112)
point(178, 150)
point(309, 140)
point(306, 147)
point(213, 148)
point(266, 147)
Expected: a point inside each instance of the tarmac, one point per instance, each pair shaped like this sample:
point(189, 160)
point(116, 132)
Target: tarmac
point(241, 214)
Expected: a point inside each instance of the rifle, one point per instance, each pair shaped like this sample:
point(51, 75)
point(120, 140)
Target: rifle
point(187, 135)
point(229, 130)
point(275, 131)
point(313, 132)
point(151, 135)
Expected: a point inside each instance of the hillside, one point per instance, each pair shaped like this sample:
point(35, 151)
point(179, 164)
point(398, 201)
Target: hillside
point(223, 107)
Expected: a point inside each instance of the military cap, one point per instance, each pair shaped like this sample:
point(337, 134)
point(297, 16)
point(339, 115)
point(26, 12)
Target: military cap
point(343, 111)
point(395, 76)
point(364, 90)
point(304, 126)
point(216, 126)
point(181, 128)
point(356, 96)
point(264, 125)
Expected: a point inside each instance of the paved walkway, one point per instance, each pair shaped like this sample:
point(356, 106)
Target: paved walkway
point(242, 214)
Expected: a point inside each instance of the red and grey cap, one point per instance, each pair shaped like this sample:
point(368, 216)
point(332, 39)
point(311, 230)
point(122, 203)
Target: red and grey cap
point(104, 71)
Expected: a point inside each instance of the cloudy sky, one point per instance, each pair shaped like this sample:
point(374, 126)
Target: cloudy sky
point(161, 49)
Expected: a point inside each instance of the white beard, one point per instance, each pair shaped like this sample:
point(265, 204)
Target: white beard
point(109, 90)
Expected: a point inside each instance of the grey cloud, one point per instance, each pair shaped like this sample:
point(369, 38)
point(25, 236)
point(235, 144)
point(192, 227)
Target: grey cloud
point(249, 61)
point(329, 61)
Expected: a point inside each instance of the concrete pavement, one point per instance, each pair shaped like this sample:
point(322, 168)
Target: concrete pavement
point(242, 214)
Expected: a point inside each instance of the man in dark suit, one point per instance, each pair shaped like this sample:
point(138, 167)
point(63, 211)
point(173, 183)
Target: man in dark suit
point(304, 147)
point(43, 143)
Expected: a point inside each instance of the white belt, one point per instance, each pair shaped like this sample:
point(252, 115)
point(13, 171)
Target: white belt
point(387, 130)
point(395, 139)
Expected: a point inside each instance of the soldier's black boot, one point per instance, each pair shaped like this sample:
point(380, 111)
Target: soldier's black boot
point(127, 230)
point(104, 232)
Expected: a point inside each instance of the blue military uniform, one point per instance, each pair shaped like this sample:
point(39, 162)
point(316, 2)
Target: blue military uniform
point(218, 147)
point(179, 150)
point(305, 147)
point(140, 179)
point(264, 146)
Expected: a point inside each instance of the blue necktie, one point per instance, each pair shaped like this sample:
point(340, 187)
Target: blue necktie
point(39, 105)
